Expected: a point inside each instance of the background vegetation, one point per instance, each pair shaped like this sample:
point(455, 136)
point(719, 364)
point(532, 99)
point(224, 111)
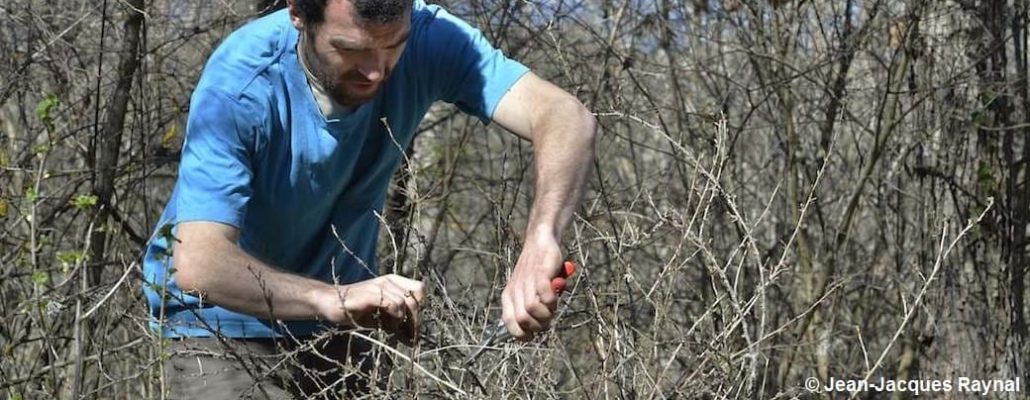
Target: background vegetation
point(784, 189)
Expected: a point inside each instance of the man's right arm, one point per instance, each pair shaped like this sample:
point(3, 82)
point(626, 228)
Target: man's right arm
point(209, 263)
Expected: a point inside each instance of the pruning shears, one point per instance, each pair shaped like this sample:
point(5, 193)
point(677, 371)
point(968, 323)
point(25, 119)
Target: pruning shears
point(498, 333)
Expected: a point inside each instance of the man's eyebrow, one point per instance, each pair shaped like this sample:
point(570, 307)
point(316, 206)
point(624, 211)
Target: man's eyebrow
point(342, 43)
point(345, 44)
point(404, 38)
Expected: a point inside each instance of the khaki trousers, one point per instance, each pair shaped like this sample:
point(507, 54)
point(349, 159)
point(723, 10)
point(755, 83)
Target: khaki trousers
point(339, 366)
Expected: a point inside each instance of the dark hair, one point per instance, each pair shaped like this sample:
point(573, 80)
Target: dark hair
point(378, 11)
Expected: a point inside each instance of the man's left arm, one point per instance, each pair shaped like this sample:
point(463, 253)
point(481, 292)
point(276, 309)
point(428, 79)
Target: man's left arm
point(562, 131)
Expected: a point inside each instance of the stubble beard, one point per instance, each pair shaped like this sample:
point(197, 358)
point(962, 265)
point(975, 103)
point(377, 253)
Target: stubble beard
point(332, 83)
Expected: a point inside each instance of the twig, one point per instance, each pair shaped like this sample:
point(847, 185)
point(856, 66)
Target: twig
point(110, 292)
point(418, 367)
point(933, 274)
point(48, 368)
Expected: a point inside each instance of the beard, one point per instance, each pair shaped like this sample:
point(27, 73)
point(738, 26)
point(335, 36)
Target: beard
point(333, 82)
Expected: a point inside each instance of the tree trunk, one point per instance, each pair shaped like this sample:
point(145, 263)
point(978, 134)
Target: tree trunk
point(105, 161)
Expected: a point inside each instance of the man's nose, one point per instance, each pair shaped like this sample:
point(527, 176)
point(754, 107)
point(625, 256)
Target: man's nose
point(373, 67)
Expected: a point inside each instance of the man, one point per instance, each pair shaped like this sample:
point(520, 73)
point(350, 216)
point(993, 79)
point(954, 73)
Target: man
point(295, 128)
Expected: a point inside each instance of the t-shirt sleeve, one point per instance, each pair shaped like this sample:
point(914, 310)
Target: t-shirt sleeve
point(466, 69)
point(215, 170)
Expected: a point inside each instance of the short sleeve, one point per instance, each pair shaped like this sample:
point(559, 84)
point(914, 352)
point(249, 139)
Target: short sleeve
point(215, 170)
point(467, 70)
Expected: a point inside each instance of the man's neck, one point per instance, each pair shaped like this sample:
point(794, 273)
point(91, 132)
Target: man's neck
point(326, 104)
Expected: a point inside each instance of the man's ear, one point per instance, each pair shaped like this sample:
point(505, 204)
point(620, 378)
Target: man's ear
point(295, 17)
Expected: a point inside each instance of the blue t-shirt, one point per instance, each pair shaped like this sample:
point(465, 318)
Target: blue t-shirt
point(260, 156)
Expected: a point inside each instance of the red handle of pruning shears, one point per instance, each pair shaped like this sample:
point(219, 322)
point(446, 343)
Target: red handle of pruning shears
point(558, 283)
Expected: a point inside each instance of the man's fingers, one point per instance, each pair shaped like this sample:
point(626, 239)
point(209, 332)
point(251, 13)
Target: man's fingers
point(546, 294)
point(397, 299)
point(407, 303)
point(417, 289)
point(393, 303)
point(390, 303)
point(527, 309)
point(508, 316)
point(411, 304)
point(537, 314)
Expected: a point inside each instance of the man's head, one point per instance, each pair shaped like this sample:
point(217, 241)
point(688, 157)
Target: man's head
point(351, 46)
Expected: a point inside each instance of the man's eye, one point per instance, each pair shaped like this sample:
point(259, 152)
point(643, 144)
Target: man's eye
point(350, 52)
point(346, 49)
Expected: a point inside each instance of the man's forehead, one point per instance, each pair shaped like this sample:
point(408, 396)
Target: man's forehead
point(361, 40)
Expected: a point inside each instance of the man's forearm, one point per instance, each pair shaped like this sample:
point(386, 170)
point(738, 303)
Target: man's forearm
point(209, 264)
point(223, 274)
point(563, 142)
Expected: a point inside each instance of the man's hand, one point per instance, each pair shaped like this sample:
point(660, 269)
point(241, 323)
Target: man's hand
point(528, 302)
point(389, 302)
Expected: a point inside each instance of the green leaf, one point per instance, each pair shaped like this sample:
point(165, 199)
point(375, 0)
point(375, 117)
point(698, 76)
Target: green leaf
point(3, 208)
point(166, 233)
point(71, 257)
point(31, 195)
point(45, 109)
point(45, 240)
point(40, 278)
point(84, 201)
point(15, 396)
point(40, 149)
